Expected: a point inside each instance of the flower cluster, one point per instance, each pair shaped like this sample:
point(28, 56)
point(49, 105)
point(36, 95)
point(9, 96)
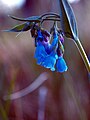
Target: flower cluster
point(49, 45)
point(49, 49)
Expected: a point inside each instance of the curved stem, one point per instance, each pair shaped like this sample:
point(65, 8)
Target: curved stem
point(52, 16)
point(50, 19)
point(48, 14)
point(83, 54)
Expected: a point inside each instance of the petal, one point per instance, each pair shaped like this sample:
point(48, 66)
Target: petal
point(55, 40)
point(40, 36)
point(48, 48)
point(40, 51)
point(40, 60)
point(61, 65)
point(50, 61)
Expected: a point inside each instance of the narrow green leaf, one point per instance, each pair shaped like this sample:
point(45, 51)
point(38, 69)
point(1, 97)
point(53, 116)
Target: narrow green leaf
point(21, 27)
point(68, 21)
point(29, 19)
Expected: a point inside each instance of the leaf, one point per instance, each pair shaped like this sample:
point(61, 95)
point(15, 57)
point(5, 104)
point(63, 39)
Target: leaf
point(68, 21)
point(29, 19)
point(21, 27)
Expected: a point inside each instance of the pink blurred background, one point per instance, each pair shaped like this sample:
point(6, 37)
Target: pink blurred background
point(52, 96)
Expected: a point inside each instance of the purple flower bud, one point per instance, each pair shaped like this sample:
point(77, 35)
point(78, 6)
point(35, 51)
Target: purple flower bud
point(46, 33)
point(61, 39)
point(45, 38)
point(59, 52)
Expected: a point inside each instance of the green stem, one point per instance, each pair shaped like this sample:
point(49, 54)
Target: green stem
point(50, 19)
point(83, 54)
point(49, 14)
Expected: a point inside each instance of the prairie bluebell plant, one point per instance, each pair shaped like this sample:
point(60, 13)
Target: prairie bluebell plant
point(49, 45)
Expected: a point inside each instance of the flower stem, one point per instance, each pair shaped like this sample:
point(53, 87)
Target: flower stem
point(50, 19)
point(83, 54)
point(49, 14)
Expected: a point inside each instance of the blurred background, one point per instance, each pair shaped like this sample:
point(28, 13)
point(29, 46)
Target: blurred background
point(39, 93)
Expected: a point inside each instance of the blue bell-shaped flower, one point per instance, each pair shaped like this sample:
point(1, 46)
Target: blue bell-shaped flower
point(40, 53)
point(61, 65)
point(50, 61)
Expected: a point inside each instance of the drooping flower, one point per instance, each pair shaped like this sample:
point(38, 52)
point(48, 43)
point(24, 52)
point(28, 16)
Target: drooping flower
point(50, 55)
point(44, 54)
point(44, 59)
point(61, 65)
point(50, 61)
point(40, 52)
